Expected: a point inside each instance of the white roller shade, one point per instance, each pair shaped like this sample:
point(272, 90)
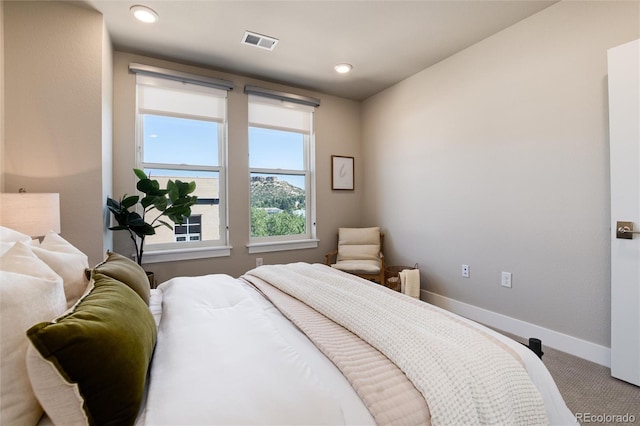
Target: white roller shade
point(272, 113)
point(161, 95)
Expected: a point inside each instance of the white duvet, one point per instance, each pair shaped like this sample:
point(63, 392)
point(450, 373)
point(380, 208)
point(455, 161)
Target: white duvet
point(225, 355)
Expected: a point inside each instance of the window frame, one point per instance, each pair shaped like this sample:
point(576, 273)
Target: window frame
point(297, 241)
point(187, 224)
point(169, 251)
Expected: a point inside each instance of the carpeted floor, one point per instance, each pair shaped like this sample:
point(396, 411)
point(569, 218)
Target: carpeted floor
point(589, 390)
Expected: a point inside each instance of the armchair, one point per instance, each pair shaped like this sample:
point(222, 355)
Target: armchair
point(360, 253)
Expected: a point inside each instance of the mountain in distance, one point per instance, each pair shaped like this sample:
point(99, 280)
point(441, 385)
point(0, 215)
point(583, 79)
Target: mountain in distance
point(271, 192)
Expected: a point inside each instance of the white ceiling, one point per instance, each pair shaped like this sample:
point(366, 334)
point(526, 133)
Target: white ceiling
point(385, 41)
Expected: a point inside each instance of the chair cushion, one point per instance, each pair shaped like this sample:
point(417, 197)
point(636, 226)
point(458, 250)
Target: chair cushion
point(359, 244)
point(358, 266)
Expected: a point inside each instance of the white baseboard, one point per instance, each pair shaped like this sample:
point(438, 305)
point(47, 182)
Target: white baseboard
point(553, 339)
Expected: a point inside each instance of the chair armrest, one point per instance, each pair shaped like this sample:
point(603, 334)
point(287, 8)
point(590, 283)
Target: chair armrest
point(329, 255)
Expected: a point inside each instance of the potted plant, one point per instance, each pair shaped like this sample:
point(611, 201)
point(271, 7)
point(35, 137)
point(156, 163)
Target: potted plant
point(173, 202)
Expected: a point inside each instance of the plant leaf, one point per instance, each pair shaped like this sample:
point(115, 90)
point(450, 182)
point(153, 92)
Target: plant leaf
point(113, 206)
point(140, 173)
point(160, 203)
point(146, 186)
point(166, 224)
point(173, 191)
point(147, 201)
point(129, 201)
point(192, 187)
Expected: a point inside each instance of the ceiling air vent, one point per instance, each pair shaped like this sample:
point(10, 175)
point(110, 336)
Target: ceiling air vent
point(259, 40)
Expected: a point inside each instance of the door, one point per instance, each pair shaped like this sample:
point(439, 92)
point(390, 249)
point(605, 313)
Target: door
point(624, 124)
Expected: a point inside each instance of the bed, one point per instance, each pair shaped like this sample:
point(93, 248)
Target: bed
point(281, 345)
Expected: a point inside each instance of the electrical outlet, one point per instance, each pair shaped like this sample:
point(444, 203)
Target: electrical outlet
point(258, 261)
point(465, 271)
point(506, 279)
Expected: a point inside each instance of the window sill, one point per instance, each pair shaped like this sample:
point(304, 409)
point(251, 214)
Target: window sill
point(282, 246)
point(186, 254)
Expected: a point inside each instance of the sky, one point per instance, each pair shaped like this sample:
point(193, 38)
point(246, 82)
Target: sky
point(195, 142)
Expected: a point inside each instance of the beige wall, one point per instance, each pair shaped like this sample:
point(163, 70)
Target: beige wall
point(337, 127)
point(56, 101)
point(1, 95)
point(497, 158)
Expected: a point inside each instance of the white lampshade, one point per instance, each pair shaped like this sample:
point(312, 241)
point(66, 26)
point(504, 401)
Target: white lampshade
point(31, 214)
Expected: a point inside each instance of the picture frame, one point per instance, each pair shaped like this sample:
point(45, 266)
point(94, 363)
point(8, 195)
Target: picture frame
point(342, 177)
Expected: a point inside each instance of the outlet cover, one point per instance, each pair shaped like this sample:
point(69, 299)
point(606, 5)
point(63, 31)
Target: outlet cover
point(465, 271)
point(506, 279)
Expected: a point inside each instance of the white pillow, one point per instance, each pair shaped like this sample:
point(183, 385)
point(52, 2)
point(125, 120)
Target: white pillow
point(67, 261)
point(61, 398)
point(55, 242)
point(8, 235)
point(4, 247)
point(30, 292)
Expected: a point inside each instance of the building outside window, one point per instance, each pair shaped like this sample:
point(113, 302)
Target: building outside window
point(190, 230)
point(181, 135)
point(282, 173)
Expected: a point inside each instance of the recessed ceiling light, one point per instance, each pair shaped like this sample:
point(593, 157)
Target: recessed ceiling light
point(144, 14)
point(343, 68)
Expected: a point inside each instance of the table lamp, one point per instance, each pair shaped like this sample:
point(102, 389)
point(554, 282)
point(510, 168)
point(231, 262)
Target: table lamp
point(31, 214)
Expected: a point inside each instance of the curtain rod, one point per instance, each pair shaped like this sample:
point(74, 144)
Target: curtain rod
point(282, 96)
point(180, 76)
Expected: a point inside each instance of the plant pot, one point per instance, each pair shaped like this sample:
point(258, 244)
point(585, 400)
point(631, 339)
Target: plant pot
point(152, 279)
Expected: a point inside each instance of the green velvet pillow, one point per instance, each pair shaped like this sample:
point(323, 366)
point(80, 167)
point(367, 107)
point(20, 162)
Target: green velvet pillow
point(103, 346)
point(126, 271)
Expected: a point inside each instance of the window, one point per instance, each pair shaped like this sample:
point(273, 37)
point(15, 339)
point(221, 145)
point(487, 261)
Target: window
point(190, 230)
point(181, 135)
point(281, 167)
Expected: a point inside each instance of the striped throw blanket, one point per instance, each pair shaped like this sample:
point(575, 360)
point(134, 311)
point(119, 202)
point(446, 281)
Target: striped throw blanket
point(465, 376)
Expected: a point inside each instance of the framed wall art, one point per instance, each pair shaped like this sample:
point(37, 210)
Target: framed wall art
point(341, 172)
